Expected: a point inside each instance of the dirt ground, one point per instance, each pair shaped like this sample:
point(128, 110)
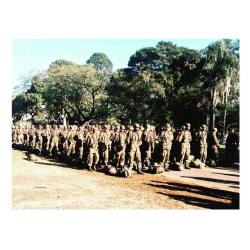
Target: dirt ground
point(47, 184)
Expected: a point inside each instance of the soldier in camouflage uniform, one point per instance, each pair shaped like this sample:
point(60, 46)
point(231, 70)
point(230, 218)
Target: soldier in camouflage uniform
point(39, 139)
point(46, 137)
point(166, 139)
point(104, 145)
point(54, 139)
point(148, 142)
point(32, 137)
point(214, 144)
point(185, 138)
point(71, 143)
point(121, 147)
point(203, 143)
point(92, 142)
point(134, 140)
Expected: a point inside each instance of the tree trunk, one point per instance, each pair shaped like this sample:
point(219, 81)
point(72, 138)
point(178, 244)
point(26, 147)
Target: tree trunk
point(212, 117)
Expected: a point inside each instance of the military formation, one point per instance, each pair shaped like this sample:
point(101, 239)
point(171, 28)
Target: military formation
point(130, 148)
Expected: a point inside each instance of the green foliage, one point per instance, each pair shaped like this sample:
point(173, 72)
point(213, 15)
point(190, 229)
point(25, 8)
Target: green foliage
point(101, 62)
point(165, 83)
point(22, 104)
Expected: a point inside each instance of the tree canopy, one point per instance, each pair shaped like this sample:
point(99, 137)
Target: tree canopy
point(161, 83)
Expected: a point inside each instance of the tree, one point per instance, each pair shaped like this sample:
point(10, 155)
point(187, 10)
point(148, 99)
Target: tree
point(26, 103)
point(76, 91)
point(101, 62)
point(221, 64)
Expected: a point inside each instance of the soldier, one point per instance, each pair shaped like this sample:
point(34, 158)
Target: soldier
point(185, 138)
point(26, 137)
point(114, 139)
point(32, 137)
point(166, 140)
point(80, 141)
point(71, 143)
point(214, 145)
point(14, 135)
point(54, 139)
point(121, 147)
point(232, 144)
point(19, 136)
point(39, 139)
point(148, 142)
point(135, 153)
point(46, 137)
point(203, 143)
point(104, 145)
point(92, 142)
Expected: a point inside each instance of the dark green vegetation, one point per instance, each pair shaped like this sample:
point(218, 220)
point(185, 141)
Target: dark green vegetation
point(161, 83)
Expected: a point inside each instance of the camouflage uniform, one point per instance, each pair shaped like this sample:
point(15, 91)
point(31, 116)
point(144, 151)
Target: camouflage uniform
point(135, 153)
point(214, 145)
point(148, 139)
point(39, 139)
point(203, 143)
point(104, 146)
point(32, 137)
point(71, 143)
point(121, 147)
point(185, 138)
point(166, 140)
point(54, 140)
point(92, 142)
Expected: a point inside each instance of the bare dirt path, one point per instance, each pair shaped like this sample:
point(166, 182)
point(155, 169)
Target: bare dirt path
point(47, 184)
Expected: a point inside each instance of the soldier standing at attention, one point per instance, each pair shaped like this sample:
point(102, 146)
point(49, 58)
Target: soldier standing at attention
point(32, 137)
point(92, 142)
point(166, 139)
point(71, 143)
point(39, 139)
point(185, 138)
point(148, 141)
point(54, 139)
point(104, 145)
point(135, 153)
point(121, 147)
point(203, 143)
point(214, 144)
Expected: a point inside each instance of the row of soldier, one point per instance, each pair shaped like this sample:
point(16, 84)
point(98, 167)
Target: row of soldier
point(133, 146)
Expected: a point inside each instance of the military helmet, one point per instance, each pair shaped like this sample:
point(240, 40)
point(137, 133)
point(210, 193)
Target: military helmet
point(137, 125)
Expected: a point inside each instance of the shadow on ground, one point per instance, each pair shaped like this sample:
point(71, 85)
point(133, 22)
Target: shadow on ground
point(195, 195)
point(212, 180)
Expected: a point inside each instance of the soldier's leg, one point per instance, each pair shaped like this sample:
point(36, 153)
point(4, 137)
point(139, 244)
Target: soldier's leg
point(122, 158)
point(183, 152)
point(52, 144)
point(138, 160)
point(106, 157)
point(187, 154)
point(90, 159)
point(164, 155)
point(131, 158)
point(48, 143)
point(205, 154)
point(96, 159)
point(81, 152)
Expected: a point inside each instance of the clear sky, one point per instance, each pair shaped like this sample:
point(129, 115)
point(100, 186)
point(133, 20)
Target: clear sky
point(33, 55)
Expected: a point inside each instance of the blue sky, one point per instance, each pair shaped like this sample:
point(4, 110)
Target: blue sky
point(33, 55)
